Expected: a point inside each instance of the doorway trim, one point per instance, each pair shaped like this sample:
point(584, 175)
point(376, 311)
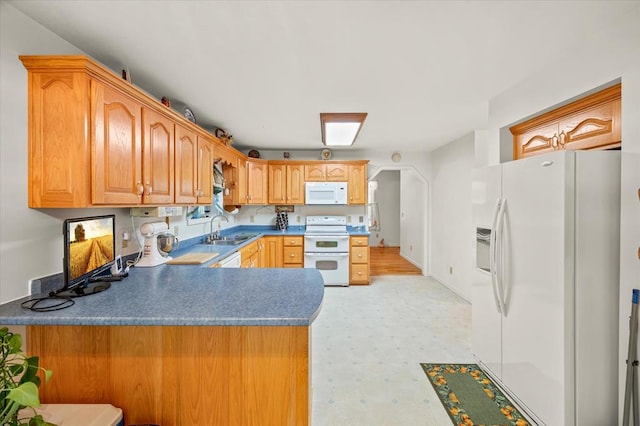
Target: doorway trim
point(426, 208)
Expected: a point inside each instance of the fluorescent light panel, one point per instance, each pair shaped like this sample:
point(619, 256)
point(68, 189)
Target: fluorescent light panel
point(341, 129)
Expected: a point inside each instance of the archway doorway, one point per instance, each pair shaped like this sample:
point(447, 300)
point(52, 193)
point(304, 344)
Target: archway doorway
point(399, 197)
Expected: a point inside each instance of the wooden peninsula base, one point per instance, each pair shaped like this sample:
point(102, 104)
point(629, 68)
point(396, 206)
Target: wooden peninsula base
point(180, 375)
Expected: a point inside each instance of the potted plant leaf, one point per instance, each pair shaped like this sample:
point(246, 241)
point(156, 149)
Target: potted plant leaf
point(19, 382)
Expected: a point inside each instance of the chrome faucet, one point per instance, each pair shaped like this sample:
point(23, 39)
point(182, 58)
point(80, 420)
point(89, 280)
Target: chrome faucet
point(215, 235)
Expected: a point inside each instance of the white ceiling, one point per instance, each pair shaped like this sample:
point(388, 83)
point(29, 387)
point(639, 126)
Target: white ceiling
point(424, 71)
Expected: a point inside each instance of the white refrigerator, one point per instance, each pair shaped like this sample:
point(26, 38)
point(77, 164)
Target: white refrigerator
point(545, 290)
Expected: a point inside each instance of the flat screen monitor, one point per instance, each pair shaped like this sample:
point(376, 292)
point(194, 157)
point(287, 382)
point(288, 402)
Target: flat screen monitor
point(89, 250)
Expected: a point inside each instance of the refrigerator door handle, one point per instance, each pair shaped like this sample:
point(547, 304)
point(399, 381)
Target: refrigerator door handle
point(498, 261)
point(492, 254)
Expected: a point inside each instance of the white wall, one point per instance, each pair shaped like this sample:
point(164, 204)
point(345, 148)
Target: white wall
point(608, 55)
point(451, 259)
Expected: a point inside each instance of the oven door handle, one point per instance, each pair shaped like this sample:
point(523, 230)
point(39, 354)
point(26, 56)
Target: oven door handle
point(326, 237)
point(311, 254)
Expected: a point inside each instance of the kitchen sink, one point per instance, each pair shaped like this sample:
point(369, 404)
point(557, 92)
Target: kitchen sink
point(225, 242)
point(231, 240)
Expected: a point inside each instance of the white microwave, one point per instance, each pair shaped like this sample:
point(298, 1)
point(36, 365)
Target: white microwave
point(326, 193)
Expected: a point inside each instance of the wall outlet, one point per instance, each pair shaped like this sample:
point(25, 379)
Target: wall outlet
point(176, 230)
point(252, 219)
point(298, 219)
point(451, 269)
point(410, 248)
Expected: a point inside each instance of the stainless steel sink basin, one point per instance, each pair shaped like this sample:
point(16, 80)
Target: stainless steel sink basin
point(231, 240)
point(224, 242)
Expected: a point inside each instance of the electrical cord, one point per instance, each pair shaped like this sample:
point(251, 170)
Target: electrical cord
point(55, 303)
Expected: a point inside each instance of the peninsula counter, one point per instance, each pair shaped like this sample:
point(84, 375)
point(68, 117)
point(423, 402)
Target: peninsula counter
point(184, 345)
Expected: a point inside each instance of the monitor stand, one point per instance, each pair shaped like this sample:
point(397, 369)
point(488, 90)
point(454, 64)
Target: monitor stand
point(85, 290)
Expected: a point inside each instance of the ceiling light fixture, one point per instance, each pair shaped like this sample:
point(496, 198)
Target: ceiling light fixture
point(341, 129)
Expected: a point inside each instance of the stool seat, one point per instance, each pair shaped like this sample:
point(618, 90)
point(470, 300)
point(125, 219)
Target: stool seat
point(79, 414)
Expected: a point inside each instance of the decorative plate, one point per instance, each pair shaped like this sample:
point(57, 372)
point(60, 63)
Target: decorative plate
point(326, 154)
point(188, 114)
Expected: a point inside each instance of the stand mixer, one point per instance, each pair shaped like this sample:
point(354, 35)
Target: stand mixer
point(151, 255)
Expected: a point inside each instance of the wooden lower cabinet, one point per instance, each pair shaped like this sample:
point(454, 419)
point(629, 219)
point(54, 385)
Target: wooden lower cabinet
point(293, 252)
point(359, 260)
point(250, 256)
point(272, 254)
point(180, 375)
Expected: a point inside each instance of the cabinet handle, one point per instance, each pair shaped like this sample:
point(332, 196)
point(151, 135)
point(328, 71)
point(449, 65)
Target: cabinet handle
point(360, 255)
point(139, 188)
point(292, 255)
point(149, 189)
point(359, 273)
point(563, 137)
point(554, 141)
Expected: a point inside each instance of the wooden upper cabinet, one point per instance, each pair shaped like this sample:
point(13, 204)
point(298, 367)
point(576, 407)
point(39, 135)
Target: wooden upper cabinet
point(286, 183)
point(314, 172)
point(205, 171)
point(336, 172)
point(592, 122)
point(193, 168)
point(186, 166)
point(357, 188)
point(59, 145)
point(157, 158)
point(257, 178)
point(242, 180)
point(326, 172)
point(116, 147)
point(295, 184)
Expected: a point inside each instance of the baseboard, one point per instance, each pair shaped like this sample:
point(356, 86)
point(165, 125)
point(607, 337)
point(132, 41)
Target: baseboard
point(411, 261)
point(447, 285)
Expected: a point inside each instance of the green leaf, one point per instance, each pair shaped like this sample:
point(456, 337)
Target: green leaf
point(15, 343)
point(26, 394)
point(47, 375)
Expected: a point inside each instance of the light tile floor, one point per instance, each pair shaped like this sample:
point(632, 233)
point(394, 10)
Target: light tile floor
point(367, 346)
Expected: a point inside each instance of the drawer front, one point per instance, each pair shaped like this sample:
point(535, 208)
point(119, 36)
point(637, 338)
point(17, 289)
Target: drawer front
point(359, 241)
point(293, 241)
point(359, 273)
point(293, 255)
point(359, 254)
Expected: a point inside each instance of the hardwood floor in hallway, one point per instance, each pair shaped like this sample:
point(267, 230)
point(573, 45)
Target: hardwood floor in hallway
point(387, 261)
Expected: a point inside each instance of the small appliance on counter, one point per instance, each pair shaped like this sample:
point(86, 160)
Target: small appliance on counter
point(167, 242)
point(155, 233)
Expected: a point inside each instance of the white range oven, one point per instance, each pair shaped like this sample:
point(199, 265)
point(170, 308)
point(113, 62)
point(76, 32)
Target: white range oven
point(326, 248)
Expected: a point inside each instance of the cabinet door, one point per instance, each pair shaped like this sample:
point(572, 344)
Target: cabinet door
point(595, 127)
point(59, 147)
point(186, 166)
point(314, 173)
point(257, 175)
point(273, 252)
point(277, 184)
point(204, 189)
point(157, 158)
point(242, 181)
point(295, 184)
point(357, 189)
point(538, 140)
point(117, 147)
point(337, 172)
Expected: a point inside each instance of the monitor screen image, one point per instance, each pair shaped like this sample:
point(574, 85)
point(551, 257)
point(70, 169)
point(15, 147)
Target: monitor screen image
point(89, 248)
